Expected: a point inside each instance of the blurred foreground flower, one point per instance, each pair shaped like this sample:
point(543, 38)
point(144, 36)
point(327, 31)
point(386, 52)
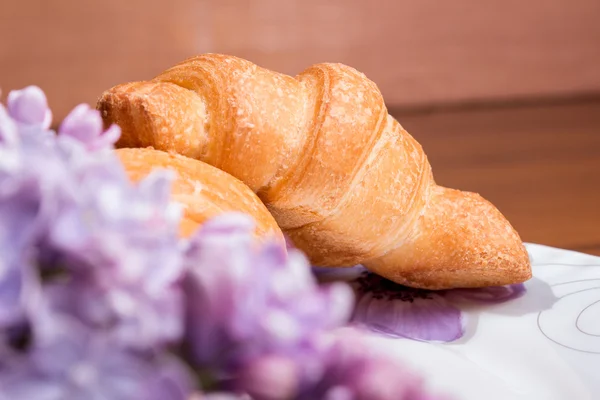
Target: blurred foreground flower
point(395, 310)
point(347, 368)
point(100, 298)
point(69, 361)
point(258, 323)
point(85, 125)
point(89, 293)
point(250, 305)
point(29, 107)
point(353, 370)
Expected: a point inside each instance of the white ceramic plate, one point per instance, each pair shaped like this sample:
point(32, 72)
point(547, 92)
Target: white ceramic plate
point(544, 345)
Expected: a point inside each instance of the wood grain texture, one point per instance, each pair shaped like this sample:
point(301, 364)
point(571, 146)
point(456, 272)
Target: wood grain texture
point(539, 165)
point(418, 52)
point(76, 49)
point(428, 51)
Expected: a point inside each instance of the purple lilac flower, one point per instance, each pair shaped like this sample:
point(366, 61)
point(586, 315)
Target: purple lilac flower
point(103, 254)
point(115, 240)
point(69, 361)
point(260, 319)
point(29, 107)
point(19, 211)
point(354, 371)
point(97, 290)
point(245, 301)
point(346, 367)
point(85, 125)
point(395, 310)
point(132, 232)
point(20, 215)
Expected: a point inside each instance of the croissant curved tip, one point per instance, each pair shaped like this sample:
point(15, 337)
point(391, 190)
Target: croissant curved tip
point(152, 114)
point(461, 240)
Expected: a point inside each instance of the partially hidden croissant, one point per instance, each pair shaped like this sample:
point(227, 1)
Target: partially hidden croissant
point(203, 191)
point(341, 177)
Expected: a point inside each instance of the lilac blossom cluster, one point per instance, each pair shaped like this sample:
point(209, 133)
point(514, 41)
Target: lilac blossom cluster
point(101, 299)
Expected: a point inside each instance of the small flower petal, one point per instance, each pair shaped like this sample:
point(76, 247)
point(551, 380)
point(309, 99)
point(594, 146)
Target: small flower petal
point(85, 125)
point(29, 106)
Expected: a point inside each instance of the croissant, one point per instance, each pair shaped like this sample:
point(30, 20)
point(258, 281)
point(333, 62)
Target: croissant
point(202, 190)
point(340, 176)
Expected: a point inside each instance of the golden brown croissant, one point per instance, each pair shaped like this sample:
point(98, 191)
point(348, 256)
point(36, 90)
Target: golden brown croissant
point(204, 191)
point(341, 177)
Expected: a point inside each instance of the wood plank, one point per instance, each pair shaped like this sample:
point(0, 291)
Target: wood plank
point(539, 165)
point(423, 52)
point(419, 53)
point(75, 50)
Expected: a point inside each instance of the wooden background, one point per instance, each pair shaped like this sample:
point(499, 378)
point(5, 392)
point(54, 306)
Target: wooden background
point(503, 94)
point(539, 164)
point(419, 52)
